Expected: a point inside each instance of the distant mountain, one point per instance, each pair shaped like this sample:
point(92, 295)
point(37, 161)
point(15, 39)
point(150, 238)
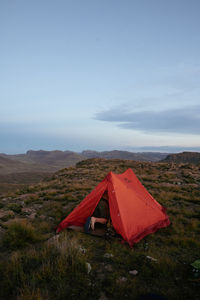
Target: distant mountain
point(51, 161)
point(41, 160)
point(140, 156)
point(184, 157)
point(57, 158)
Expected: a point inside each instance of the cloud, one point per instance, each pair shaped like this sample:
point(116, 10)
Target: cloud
point(184, 120)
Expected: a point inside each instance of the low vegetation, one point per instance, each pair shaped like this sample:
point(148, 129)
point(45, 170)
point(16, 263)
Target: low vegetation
point(37, 264)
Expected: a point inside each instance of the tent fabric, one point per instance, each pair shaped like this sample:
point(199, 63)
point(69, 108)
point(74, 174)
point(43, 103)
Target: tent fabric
point(133, 211)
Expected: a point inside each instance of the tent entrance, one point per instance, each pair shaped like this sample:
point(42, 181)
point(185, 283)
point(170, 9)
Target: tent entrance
point(101, 212)
point(97, 232)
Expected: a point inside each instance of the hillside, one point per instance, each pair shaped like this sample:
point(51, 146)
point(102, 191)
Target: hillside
point(8, 165)
point(36, 264)
point(48, 160)
point(184, 157)
point(16, 171)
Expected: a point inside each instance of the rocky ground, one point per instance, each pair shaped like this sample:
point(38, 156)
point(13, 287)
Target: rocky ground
point(88, 266)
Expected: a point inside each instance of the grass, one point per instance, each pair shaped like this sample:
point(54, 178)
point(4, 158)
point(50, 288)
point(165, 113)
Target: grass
point(56, 270)
point(19, 235)
point(36, 264)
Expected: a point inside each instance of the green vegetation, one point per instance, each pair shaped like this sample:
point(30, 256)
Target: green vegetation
point(55, 270)
point(19, 235)
point(36, 264)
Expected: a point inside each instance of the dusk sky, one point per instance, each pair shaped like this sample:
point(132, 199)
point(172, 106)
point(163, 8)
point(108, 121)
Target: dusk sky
point(99, 75)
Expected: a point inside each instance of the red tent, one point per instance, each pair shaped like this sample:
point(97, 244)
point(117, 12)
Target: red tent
point(133, 211)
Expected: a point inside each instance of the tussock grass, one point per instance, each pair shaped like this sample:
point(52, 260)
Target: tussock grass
point(33, 294)
point(59, 264)
point(15, 207)
point(19, 235)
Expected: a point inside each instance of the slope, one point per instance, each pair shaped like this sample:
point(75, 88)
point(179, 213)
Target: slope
point(76, 266)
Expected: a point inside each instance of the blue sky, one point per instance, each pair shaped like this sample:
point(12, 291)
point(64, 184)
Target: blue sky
point(99, 74)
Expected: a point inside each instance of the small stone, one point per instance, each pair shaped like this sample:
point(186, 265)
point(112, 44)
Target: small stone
point(108, 255)
point(89, 268)
point(5, 215)
point(32, 216)
point(151, 258)
point(82, 250)
point(121, 279)
point(133, 272)
point(28, 211)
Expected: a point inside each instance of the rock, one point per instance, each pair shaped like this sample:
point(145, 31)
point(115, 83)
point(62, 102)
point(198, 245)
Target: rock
point(121, 279)
point(25, 196)
point(37, 206)
point(82, 250)
point(28, 211)
point(32, 216)
point(108, 255)
point(6, 214)
point(6, 199)
point(151, 258)
point(89, 268)
point(134, 272)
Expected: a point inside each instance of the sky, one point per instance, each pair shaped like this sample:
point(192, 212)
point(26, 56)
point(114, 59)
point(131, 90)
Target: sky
point(99, 75)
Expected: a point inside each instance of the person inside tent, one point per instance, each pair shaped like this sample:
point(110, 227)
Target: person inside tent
point(100, 215)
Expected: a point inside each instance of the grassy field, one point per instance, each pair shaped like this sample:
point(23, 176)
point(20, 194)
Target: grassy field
point(37, 264)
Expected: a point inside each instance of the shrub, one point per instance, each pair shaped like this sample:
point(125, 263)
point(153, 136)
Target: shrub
point(19, 235)
point(15, 207)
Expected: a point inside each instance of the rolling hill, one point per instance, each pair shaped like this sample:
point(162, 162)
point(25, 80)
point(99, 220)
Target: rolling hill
point(16, 171)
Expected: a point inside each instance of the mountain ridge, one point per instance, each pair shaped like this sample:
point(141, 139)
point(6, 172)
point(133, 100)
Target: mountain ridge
point(119, 154)
point(184, 157)
point(52, 161)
